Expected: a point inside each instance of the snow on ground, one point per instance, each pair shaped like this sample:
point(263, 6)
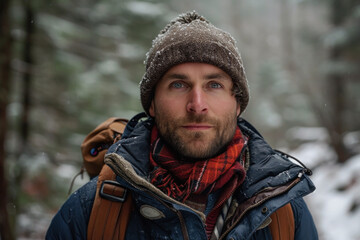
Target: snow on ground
point(335, 204)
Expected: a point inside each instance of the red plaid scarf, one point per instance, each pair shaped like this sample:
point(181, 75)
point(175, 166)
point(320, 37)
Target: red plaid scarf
point(179, 179)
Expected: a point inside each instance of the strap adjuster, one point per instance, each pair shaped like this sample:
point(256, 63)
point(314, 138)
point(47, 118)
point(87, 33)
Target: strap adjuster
point(113, 191)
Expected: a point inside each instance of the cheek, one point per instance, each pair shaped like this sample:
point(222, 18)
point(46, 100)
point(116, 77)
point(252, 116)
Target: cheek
point(171, 104)
point(167, 106)
point(223, 106)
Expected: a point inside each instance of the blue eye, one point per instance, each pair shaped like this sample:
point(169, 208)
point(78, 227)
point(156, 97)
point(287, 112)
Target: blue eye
point(215, 85)
point(177, 85)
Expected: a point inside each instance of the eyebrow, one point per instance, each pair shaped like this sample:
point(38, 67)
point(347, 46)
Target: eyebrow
point(176, 76)
point(219, 76)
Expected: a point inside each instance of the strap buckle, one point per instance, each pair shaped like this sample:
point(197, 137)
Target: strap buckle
point(113, 191)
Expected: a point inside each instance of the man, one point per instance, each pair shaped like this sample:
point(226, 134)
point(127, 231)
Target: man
point(194, 168)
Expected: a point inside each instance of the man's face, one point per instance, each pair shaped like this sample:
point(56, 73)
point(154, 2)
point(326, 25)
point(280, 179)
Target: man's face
point(195, 110)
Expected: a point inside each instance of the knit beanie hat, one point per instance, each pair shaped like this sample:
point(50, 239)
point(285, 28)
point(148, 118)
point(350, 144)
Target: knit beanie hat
point(191, 38)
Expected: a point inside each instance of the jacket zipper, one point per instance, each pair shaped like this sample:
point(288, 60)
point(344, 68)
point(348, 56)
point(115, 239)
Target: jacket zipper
point(183, 225)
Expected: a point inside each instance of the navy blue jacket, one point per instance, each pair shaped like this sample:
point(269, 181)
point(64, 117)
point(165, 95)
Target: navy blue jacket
point(272, 181)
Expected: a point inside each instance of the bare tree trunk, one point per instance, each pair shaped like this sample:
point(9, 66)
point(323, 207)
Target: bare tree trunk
point(28, 60)
point(337, 97)
point(336, 85)
point(6, 232)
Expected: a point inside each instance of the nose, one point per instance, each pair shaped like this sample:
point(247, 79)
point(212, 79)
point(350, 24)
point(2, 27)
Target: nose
point(197, 102)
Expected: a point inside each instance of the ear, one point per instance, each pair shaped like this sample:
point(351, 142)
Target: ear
point(238, 109)
point(152, 109)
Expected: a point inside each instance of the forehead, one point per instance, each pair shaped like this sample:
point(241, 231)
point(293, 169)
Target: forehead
point(196, 69)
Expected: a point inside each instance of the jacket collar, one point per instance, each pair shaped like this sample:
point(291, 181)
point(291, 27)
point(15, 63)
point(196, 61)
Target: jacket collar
point(267, 167)
point(269, 176)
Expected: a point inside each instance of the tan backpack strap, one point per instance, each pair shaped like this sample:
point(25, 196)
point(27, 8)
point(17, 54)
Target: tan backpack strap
point(111, 209)
point(282, 226)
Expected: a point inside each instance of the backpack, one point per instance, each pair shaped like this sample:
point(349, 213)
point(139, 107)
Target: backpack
point(113, 203)
point(97, 142)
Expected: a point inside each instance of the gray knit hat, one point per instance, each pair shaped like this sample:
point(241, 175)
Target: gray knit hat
point(191, 38)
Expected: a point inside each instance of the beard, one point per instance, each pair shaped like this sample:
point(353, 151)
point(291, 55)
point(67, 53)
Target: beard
point(196, 145)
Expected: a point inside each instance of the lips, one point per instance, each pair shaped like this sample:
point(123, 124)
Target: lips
point(197, 127)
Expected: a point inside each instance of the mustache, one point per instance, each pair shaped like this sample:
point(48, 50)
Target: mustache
point(198, 119)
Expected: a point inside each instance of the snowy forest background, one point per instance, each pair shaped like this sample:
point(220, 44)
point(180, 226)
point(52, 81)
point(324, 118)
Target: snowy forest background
point(66, 66)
